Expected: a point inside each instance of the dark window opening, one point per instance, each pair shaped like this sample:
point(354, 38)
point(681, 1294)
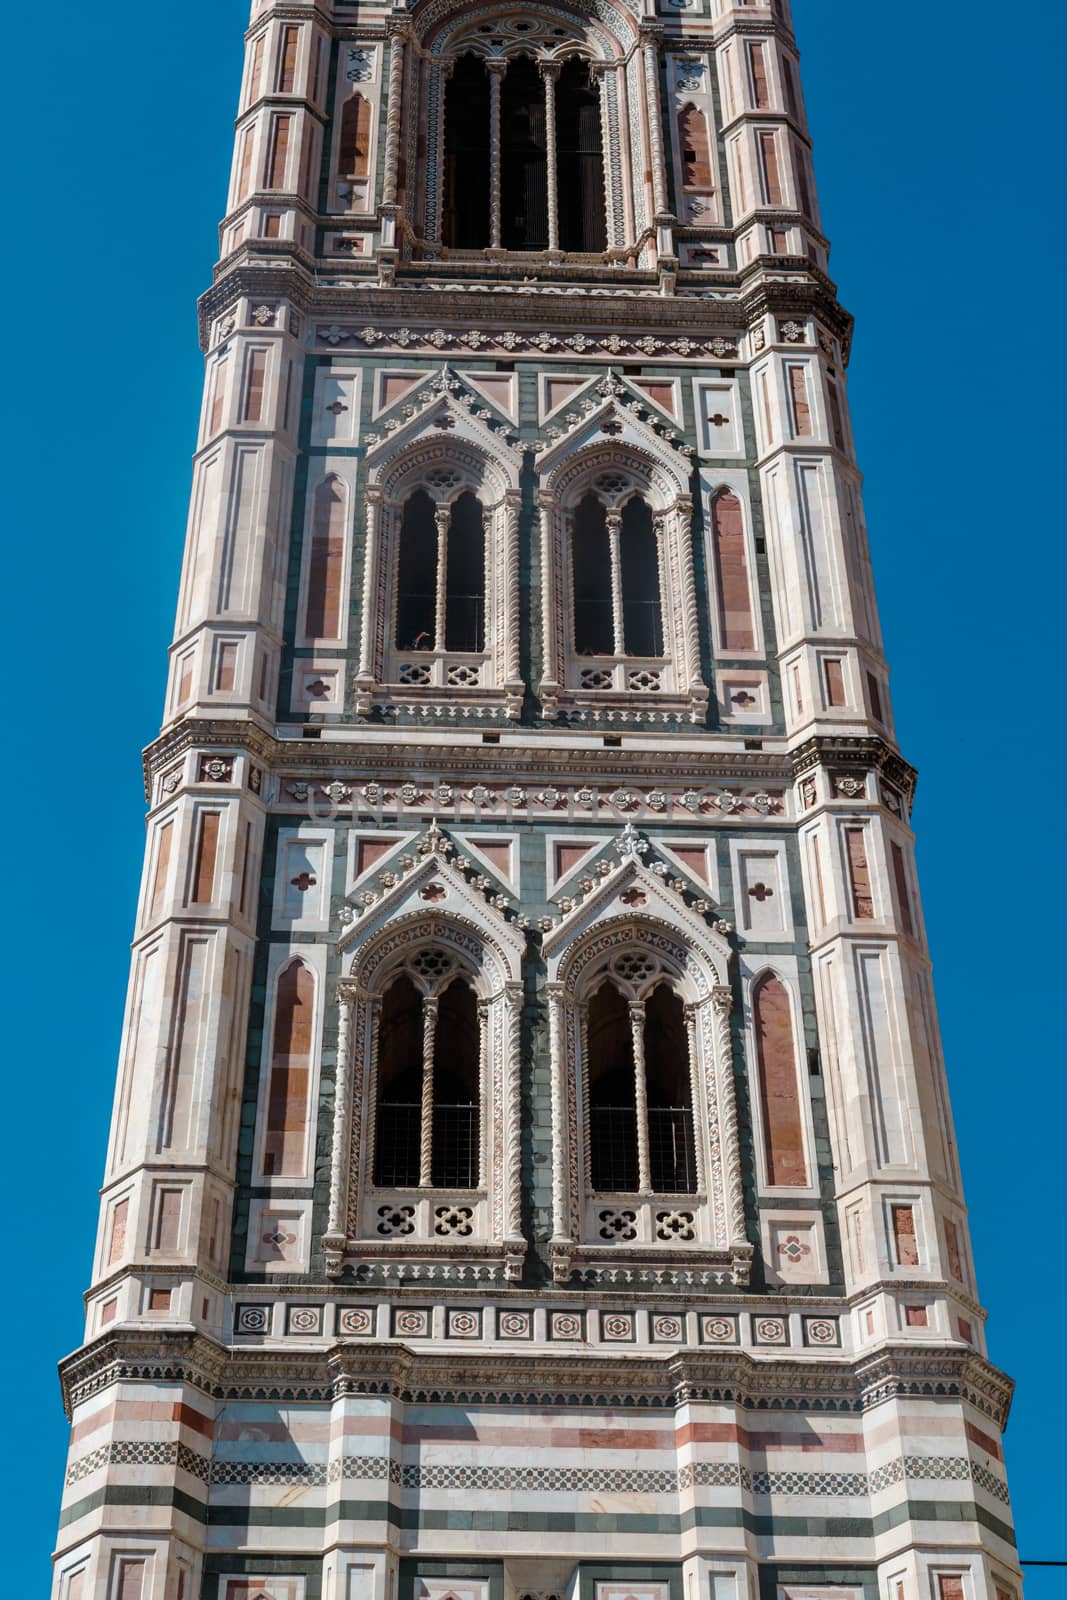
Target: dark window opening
point(523, 158)
point(417, 575)
point(594, 633)
point(642, 618)
point(612, 1103)
point(400, 1087)
point(465, 577)
point(672, 1158)
point(466, 196)
point(580, 160)
point(455, 1118)
point(455, 1090)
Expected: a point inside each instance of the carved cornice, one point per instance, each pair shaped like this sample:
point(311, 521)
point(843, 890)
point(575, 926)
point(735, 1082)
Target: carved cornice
point(861, 754)
point(535, 1377)
point(624, 302)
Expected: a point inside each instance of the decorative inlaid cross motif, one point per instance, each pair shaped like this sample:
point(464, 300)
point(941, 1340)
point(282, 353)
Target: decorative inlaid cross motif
point(320, 689)
point(633, 897)
point(793, 1248)
point(761, 892)
point(611, 427)
point(445, 422)
point(433, 891)
point(303, 881)
point(743, 698)
point(718, 420)
point(337, 407)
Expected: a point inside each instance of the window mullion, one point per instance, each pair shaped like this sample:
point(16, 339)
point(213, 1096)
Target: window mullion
point(614, 522)
point(637, 1032)
point(442, 518)
point(429, 1032)
point(496, 70)
point(550, 75)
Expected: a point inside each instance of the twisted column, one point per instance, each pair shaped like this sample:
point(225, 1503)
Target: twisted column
point(483, 1077)
point(429, 1033)
point(365, 670)
point(442, 518)
point(549, 686)
point(392, 117)
point(560, 1218)
point(637, 1035)
point(336, 1223)
point(496, 70)
point(512, 649)
point(722, 1001)
point(693, 1058)
point(650, 56)
point(513, 1115)
point(614, 522)
point(550, 73)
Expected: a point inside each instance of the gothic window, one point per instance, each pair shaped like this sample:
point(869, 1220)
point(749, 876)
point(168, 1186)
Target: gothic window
point(466, 202)
point(696, 155)
point(353, 150)
point(615, 576)
point(428, 1132)
point(781, 1113)
point(440, 599)
point(523, 149)
point(640, 1095)
point(285, 1140)
point(325, 578)
point(736, 630)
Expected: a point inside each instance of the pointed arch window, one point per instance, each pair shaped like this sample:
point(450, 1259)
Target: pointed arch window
point(322, 611)
point(617, 604)
point(353, 150)
point(695, 149)
point(428, 1131)
point(440, 600)
point(736, 629)
point(285, 1140)
point(524, 160)
point(781, 1113)
point(640, 1094)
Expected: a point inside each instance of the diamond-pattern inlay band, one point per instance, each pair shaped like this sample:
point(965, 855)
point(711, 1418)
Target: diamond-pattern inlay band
point(539, 1480)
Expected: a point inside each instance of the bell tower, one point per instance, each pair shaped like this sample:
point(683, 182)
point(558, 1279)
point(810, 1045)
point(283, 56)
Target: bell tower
point(532, 1174)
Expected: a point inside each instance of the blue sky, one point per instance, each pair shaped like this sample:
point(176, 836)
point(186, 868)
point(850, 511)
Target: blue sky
point(933, 127)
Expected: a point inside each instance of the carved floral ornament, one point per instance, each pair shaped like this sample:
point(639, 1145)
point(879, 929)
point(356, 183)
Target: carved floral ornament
point(720, 347)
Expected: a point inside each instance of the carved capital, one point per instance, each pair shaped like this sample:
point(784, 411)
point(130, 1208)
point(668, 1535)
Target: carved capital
point(722, 998)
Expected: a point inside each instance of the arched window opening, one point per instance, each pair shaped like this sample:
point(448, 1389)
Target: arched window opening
point(399, 1087)
point(783, 1122)
point(457, 1051)
point(612, 1094)
point(640, 1094)
point(429, 1067)
point(440, 575)
point(353, 151)
point(416, 578)
point(465, 577)
point(642, 624)
point(731, 570)
point(284, 1149)
point(672, 1156)
point(580, 160)
point(523, 158)
point(594, 628)
point(466, 196)
point(322, 618)
point(696, 153)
